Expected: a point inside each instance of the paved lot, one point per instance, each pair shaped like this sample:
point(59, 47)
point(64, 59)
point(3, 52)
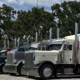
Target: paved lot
point(9, 77)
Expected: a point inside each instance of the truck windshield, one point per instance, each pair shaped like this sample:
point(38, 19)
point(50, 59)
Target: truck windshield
point(23, 48)
point(55, 47)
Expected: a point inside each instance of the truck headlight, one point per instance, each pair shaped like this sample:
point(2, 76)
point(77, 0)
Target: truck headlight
point(15, 61)
point(23, 62)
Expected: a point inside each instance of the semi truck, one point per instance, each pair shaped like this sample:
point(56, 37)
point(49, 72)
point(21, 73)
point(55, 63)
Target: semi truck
point(61, 56)
point(15, 59)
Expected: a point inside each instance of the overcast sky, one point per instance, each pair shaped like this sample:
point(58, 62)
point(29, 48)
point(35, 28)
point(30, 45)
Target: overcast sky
point(28, 4)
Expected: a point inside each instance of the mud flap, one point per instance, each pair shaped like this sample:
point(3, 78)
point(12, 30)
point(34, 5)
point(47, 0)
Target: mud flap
point(62, 70)
point(75, 69)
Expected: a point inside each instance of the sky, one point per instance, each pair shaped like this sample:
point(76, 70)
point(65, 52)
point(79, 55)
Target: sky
point(26, 5)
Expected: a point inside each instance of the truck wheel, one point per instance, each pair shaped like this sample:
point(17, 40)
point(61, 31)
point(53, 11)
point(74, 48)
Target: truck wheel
point(12, 74)
point(75, 70)
point(46, 71)
point(1, 68)
point(19, 68)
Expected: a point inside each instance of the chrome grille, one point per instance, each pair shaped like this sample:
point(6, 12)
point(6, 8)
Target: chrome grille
point(10, 58)
point(19, 56)
point(29, 59)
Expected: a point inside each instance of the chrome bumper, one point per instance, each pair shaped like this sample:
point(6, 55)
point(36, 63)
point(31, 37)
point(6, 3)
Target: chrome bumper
point(10, 68)
point(30, 71)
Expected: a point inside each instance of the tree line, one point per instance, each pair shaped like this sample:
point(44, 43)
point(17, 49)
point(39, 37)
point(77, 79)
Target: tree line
point(20, 24)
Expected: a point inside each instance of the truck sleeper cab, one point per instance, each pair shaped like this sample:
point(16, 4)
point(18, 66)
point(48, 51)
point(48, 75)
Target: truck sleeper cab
point(47, 63)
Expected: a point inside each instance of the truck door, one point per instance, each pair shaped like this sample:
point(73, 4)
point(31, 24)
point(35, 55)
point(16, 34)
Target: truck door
point(68, 53)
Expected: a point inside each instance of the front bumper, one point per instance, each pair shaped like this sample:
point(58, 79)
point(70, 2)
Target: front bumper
point(10, 68)
point(30, 71)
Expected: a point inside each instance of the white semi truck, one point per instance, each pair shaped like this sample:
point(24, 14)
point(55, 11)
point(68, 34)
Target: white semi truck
point(15, 59)
point(61, 56)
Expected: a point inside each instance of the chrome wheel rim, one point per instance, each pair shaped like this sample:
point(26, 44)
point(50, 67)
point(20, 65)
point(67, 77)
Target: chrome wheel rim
point(47, 72)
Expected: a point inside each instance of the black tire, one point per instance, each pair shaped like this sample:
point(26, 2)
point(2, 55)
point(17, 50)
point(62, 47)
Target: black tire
point(19, 68)
point(12, 74)
point(44, 70)
point(19, 71)
point(75, 70)
point(1, 68)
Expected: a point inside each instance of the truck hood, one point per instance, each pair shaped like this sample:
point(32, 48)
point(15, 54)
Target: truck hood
point(40, 51)
point(41, 56)
point(53, 52)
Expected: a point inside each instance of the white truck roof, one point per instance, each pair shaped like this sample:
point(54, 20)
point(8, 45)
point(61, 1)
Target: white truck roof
point(71, 37)
point(58, 41)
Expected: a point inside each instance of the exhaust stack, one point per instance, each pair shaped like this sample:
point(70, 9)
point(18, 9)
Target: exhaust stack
point(8, 43)
point(76, 41)
point(18, 41)
point(15, 42)
point(4, 43)
point(36, 37)
point(50, 34)
point(57, 33)
point(28, 40)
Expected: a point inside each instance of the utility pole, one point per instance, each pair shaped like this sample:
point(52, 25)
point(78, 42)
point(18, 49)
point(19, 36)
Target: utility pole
point(37, 3)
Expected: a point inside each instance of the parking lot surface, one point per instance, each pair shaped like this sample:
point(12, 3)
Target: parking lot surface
point(11, 77)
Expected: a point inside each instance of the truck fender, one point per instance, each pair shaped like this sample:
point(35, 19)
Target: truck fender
point(19, 62)
point(47, 62)
point(75, 69)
